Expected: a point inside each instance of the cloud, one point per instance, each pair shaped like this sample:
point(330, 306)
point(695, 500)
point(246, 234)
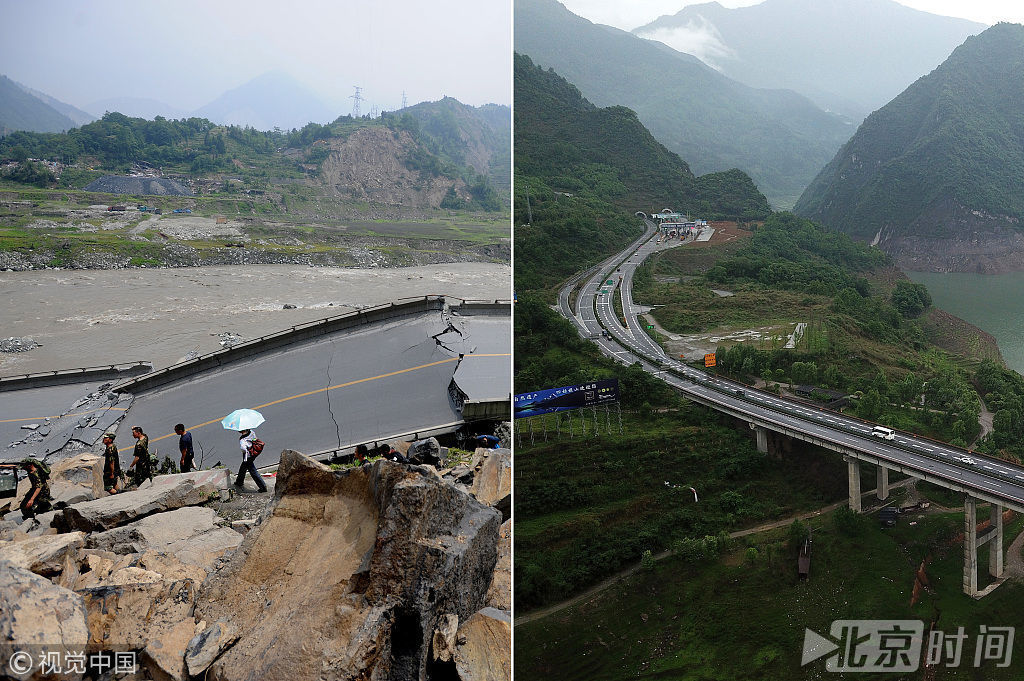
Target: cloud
point(698, 37)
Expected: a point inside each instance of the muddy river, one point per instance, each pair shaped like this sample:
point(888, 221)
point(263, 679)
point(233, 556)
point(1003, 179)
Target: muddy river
point(98, 317)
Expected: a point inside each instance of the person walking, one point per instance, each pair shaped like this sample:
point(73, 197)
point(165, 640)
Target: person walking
point(245, 441)
point(112, 475)
point(188, 456)
point(37, 499)
point(141, 466)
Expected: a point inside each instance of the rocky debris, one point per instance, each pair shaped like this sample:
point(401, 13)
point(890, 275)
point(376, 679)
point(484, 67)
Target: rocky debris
point(443, 644)
point(154, 617)
point(94, 569)
point(484, 648)
point(492, 479)
point(360, 563)
point(71, 433)
point(207, 645)
point(33, 527)
point(428, 451)
point(43, 555)
point(499, 594)
point(36, 612)
point(120, 509)
point(13, 344)
point(189, 534)
point(229, 339)
point(138, 186)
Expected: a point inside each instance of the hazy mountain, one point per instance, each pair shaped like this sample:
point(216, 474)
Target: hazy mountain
point(848, 56)
point(780, 138)
point(268, 101)
point(935, 176)
point(137, 107)
point(573, 145)
point(479, 137)
point(20, 110)
point(78, 116)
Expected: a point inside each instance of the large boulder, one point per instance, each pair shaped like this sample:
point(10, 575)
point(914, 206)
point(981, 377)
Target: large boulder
point(155, 617)
point(72, 480)
point(499, 594)
point(120, 509)
point(492, 481)
point(484, 649)
point(36, 613)
point(360, 563)
point(43, 555)
point(191, 534)
point(219, 477)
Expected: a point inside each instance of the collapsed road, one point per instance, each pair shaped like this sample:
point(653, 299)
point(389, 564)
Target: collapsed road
point(412, 369)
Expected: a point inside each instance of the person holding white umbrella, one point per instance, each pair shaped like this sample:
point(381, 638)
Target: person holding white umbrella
point(245, 421)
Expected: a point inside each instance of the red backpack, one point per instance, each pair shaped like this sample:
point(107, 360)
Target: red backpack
point(256, 447)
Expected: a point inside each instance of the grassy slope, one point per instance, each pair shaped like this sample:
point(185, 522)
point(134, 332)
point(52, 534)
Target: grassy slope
point(730, 619)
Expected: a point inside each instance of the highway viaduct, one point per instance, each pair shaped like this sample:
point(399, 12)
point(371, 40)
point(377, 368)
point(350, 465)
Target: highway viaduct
point(988, 480)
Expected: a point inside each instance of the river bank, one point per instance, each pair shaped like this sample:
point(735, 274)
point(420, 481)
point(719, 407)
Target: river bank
point(97, 317)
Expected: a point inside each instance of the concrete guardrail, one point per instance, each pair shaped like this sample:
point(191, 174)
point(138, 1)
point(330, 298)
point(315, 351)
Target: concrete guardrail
point(114, 372)
point(280, 339)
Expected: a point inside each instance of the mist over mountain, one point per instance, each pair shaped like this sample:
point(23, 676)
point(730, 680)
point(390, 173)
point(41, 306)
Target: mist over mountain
point(21, 110)
point(848, 56)
point(935, 176)
point(77, 116)
point(781, 139)
point(268, 101)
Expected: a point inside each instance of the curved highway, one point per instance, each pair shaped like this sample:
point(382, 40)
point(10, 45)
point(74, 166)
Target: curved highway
point(988, 479)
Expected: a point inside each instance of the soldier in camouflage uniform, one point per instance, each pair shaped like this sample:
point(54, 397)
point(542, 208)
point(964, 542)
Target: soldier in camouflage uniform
point(38, 499)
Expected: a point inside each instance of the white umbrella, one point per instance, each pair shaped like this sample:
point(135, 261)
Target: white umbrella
point(242, 419)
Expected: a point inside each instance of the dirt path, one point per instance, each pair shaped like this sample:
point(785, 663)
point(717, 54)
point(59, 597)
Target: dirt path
point(601, 586)
point(1014, 562)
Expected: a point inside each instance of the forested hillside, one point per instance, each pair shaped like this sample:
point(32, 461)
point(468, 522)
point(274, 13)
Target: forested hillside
point(582, 172)
point(950, 146)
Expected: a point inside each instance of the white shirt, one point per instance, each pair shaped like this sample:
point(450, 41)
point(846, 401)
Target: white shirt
point(245, 443)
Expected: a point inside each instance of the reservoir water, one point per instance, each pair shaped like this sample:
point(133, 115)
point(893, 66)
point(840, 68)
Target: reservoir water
point(992, 302)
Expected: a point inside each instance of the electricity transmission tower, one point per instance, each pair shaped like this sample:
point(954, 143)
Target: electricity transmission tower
point(405, 102)
point(356, 99)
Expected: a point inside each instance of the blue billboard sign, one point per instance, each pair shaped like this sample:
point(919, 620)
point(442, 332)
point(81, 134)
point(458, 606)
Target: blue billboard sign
point(566, 398)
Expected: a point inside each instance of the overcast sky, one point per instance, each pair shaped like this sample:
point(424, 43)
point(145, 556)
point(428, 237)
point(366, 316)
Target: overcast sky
point(188, 52)
point(630, 14)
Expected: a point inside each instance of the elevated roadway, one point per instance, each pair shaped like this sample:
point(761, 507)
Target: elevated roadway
point(987, 479)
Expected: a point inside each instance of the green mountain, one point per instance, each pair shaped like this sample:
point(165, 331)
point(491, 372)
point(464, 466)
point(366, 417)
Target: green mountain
point(20, 110)
point(391, 160)
point(848, 56)
point(582, 171)
point(934, 177)
point(778, 137)
point(478, 137)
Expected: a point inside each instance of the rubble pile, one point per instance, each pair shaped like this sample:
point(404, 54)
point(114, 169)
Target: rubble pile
point(13, 344)
point(384, 571)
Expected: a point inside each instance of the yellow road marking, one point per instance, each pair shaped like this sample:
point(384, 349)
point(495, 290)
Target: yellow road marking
point(333, 387)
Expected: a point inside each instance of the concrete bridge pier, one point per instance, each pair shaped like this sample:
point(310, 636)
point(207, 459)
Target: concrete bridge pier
point(882, 482)
point(762, 438)
point(853, 467)
point(972, 543)
point(970, 546)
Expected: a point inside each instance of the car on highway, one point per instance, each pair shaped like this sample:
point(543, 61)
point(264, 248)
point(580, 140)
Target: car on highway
point(968, 460)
